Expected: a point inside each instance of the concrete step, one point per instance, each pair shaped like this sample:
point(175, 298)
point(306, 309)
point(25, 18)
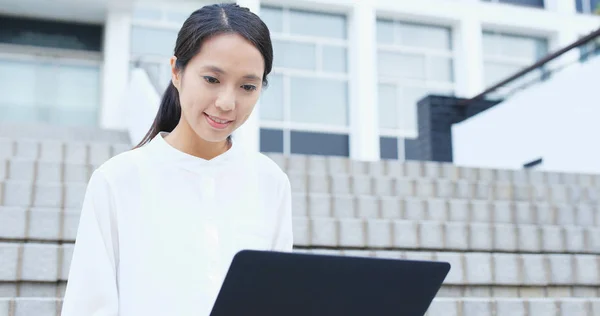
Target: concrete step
point(439, 307)
point(440, 188)
point(496, 269)
point(62, 133)
point(60, 225)
point(29, 151)
point(426, 169)
point(47, 262)
point(514, 307)
point(57, 290)
point(444, 209)
point(448, 236)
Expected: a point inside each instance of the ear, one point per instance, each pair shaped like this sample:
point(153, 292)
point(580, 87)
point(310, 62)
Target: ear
point(175, 73)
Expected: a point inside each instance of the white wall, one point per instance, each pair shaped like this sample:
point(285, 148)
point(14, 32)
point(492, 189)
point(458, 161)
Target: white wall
point(557, 120)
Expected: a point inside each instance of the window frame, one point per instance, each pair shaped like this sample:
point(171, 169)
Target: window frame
point(286, 125)
point(543, 6)
point(407, 83)
point(58, 57)
point(514, 61)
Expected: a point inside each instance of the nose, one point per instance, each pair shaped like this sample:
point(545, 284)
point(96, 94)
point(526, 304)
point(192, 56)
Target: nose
point(226, 101)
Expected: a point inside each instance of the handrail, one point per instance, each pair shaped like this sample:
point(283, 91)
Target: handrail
point(582, 41)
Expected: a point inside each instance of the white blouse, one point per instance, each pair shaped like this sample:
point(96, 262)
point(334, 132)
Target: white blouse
point(159, 228)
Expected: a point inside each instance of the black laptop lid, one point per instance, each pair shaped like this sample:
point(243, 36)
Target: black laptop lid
point(273, 283)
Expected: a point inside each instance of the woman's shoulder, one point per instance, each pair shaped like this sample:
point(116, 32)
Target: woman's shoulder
point(266, 166)
point(122, 166)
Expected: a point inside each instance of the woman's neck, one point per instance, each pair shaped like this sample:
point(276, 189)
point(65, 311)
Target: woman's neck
point(186, 140)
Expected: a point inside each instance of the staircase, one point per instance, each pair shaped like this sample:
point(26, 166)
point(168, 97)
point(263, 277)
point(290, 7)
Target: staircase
point(520, 242)
point(43, 175)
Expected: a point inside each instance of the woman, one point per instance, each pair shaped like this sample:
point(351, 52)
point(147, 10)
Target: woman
point(160, 224)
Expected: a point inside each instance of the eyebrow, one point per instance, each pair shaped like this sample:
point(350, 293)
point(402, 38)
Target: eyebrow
point(220, 71)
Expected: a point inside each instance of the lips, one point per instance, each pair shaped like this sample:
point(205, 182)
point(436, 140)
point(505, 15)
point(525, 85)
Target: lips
point(216, 122)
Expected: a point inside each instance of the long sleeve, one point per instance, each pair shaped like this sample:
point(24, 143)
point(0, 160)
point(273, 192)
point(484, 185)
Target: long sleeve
point(284, 241)
point(92, 282)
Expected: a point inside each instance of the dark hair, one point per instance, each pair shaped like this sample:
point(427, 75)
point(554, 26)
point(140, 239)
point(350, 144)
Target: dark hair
point(209, 21)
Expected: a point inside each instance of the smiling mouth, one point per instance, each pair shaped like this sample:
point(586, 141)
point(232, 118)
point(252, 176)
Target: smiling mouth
point(216, 122)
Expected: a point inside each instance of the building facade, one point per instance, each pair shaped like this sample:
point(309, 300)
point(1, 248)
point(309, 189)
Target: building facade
point(347, 73)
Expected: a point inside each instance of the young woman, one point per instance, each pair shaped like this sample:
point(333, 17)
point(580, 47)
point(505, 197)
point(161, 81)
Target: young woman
point(160, 224)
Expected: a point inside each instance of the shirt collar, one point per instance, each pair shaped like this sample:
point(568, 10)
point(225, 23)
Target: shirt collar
point(163, 152)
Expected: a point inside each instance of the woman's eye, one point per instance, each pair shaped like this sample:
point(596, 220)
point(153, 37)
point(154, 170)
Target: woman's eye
point(249, 87)
point(210, 79)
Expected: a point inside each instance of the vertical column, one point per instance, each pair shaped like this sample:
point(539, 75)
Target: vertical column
point(364, 119)
point(115, 73)
point(248, 135)
point(468, 64)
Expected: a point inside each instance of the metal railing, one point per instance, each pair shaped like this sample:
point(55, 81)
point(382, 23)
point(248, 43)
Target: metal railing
point(590, 38)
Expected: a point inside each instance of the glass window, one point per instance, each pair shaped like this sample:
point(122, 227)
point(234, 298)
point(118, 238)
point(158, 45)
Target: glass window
point(523, 47)
point(319, 101)
point(588, 6)
point(271, 140)
point(314, 143)
point(317, 24)
point(413, 60)
point(385, 32)
point(401, 65)
point(77, 95)
point(496, 72)
point(13, 76)
point(412, 149)
point(294, 55)
point(440, 69)
point(65, 35)
point(85, 78)
point(177, 17)
point(595, 6)
point(147, 14)
point(309, 83)
point(409, 98)
point(529, 3)
point(334, 59)
point(388, 106)
point(388, 147)
point(423, 36)
point(505, 54)
point(162, 43)
point(273, 18)
point(491, 44)
point(271, 104)
point(49, 92)
point(589, 50)
point(579, 5)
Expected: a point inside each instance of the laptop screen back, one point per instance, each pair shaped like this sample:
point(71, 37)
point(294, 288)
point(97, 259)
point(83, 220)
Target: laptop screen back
point(272, 283)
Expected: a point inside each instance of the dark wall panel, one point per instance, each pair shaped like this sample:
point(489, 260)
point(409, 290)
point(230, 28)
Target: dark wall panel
point(53, 34)
point(326, 144)
point(271, 140)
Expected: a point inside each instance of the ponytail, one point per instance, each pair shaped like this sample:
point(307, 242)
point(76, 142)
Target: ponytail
point(167, 117)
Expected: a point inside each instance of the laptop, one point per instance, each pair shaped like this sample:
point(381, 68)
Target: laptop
point(297, 284)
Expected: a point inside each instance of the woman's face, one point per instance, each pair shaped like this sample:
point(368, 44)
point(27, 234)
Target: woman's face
point(220, 86)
